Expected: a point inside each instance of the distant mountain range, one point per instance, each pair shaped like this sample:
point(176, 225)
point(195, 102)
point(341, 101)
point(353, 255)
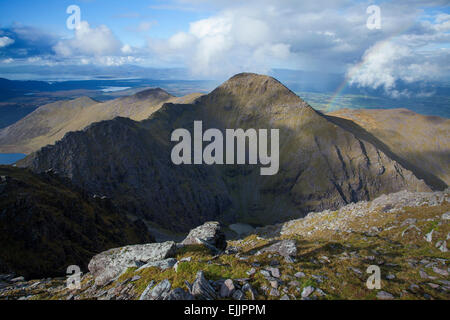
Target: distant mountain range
point(34, 86)
point(18, 98)
point(325, 161)
point(49, 123)
point(87, 72)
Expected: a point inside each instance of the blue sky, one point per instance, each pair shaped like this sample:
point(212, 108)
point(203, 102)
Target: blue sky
point(223, 37)
point(122, 17)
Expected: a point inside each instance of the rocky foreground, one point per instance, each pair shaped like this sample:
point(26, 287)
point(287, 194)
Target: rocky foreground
point(323, 256)
point(323, 163)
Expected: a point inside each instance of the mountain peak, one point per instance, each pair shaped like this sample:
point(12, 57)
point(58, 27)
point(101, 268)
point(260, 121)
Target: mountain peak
point(84, 100)
point(249, 76)
point(155, 93)
point(322, 165)
point(254, 80)
point(250, 90)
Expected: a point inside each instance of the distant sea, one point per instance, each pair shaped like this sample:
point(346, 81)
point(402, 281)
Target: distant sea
point(10, 158)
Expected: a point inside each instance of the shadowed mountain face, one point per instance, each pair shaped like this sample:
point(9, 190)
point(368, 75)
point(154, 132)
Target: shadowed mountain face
point(46, 224)
point(322, 165)
point(51, 122)
point(422, 142)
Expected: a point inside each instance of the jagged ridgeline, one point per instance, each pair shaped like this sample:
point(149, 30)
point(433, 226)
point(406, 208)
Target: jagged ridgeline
point(49, 123)
point(323, 165)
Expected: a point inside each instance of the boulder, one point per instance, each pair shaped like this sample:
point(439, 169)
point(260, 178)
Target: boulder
point(227, 289)
point(414, 288)
point(179, 294)
point(201, 289)
point(285, 248)
point(429, 236)
point(158, 292)
point(442, 272)
point(307, 291)
point(274, 292)
point(162, 264)
point(209, 234)
point(238, 295)
point(161, 290)
point(145, 294)
point(274, 284)
point(7, 277)
point(251, 272)
point(247, 287)
point(275, 272)
point(383, 295)
point(18, 279)
point(442, 245)
point(320, 292)
point(265, 273)
point(108, 265)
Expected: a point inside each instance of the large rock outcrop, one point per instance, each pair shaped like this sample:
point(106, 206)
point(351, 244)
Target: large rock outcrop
point(107, 265)
point(209, 234)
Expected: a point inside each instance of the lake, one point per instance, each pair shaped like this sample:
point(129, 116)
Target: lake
point(10, 158)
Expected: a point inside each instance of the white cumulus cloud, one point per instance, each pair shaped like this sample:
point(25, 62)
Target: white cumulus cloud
point(225, 44)
point(89, 41)
point(314, 35)
point(380, 66)
point(414, 56)
point(5, 41)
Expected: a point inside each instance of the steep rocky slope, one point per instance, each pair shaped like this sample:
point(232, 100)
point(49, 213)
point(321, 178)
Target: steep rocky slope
point(47, 225)
point(322, 165)
point(423, 142)
point(51, 122)
point(324, 256)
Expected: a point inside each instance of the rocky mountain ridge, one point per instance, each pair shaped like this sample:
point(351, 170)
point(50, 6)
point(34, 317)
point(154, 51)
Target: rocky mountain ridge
point(49, 123)
point(415, 139)
point(322, 165)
